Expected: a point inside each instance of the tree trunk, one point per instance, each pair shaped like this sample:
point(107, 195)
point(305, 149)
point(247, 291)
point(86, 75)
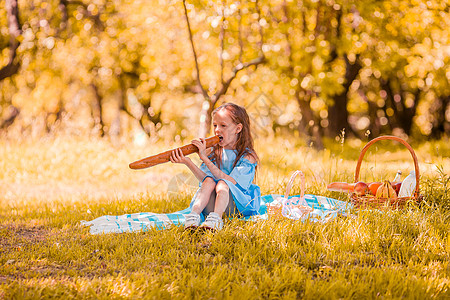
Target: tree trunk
point(97, 111)
point(374, 122)
point(403, 115)
point(116, 126)
point(12, 13)
point(206, 118)
point(441, 126)
point(338, 115)
point(337, 112)
point(309, 125)
point(409, 112)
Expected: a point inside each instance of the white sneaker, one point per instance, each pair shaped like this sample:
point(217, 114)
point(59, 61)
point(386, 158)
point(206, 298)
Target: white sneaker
point(191, 220)
point(213, 222)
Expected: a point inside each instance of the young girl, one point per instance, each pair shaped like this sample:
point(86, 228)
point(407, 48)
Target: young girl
point(227, 173)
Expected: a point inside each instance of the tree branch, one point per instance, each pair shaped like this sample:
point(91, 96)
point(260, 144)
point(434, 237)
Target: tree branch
point(14, 112)
point(333, 52)
point(191, 39)
point(96, 17)
point(261, 41)
point(236, 69)
point(241, 66)
point(287, 36)
point(241, 43)
point(221, 39)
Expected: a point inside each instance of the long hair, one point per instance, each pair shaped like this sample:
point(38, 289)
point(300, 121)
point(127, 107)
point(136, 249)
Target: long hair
point(244, 143)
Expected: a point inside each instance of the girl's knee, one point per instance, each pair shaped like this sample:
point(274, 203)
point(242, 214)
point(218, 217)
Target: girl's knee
point(222, 187)
point(209, 182)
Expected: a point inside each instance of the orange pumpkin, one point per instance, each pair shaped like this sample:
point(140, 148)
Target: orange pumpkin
point(373, 187)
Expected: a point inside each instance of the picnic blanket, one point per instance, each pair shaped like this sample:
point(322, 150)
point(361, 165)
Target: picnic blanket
point(324, 209)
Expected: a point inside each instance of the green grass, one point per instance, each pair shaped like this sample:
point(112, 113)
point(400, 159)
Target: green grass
point(49, 186)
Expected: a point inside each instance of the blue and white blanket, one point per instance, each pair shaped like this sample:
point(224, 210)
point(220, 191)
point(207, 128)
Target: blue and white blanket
point(324, 209)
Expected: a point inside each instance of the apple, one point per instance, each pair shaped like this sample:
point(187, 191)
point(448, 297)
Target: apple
point(360, 188)
point(396, 186)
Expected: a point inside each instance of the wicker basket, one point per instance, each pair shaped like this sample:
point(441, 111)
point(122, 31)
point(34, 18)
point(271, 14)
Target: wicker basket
point(274, 210)
point(373, 201)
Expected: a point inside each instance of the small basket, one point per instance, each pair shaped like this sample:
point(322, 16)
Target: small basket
point(275, 210)
point(373, 201)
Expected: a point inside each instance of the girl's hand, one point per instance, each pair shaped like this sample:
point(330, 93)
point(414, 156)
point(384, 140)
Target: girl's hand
point(201, 145)
point(177, 157)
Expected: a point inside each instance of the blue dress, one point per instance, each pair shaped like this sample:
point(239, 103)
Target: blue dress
point(246, 195)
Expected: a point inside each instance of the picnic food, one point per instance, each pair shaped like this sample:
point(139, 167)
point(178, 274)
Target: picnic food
point(361, 188)
point(386, 191)
point(165, 156)
point(408, 185)
point(341, 187)
point(373, 187)
point(397, 186)
point(399, 201)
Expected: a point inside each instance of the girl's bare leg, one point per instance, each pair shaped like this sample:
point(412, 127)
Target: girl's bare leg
point(204, 194)
point(211, 204)
point(222, 197)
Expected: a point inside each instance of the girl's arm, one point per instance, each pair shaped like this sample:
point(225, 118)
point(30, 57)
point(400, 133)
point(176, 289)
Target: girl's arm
point(216, 171)
point(178, 157)
point(218, 174)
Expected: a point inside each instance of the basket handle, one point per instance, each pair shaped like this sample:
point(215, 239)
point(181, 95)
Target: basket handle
point(389, 137)
point(291, 182)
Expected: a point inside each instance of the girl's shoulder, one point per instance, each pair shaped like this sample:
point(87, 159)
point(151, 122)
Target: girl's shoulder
point(250, 158)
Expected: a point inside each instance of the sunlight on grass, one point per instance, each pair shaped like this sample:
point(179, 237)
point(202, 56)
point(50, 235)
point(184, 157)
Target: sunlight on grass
point(50, 185)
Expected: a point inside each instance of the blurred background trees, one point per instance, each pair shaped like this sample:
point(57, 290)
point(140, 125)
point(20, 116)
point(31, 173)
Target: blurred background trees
point(156, 69)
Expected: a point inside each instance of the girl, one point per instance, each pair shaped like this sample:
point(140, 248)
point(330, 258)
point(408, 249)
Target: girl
point(227, 173)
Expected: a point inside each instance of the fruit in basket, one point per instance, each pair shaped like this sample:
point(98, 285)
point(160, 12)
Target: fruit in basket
point(386, 191)
point(360, 188)
point(341, 187)
point(396, 186)
point(373, 187)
